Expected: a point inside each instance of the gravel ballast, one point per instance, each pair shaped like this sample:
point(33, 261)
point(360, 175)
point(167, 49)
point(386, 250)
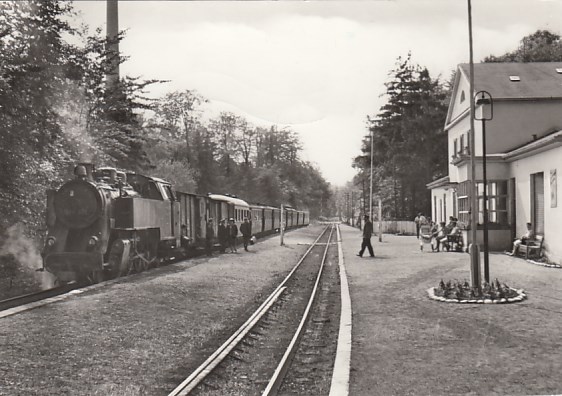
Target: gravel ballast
point(145, 334)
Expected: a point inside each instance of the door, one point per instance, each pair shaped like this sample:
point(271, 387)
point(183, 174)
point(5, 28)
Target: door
point(537, 202)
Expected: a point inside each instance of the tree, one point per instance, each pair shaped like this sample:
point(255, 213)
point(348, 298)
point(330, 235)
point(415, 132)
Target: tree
point(177, 115)
point(541, 46)
point(409, 146)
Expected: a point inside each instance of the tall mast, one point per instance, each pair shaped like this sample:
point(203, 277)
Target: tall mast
point(112, 77)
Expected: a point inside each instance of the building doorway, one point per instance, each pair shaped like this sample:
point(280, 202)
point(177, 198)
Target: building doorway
point(537, 202)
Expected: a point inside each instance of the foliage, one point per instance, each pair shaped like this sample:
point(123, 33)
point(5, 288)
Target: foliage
point(226, 154)
point(541, 46)
point(409, 145)
point(463, 291)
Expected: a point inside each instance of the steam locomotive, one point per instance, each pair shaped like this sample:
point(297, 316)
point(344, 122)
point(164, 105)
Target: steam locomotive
point(107, 223)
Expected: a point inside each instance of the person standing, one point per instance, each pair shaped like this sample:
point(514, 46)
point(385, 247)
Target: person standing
point(367, 232)
point(222, 235)
point(419, 220)
point(209, 236)
point(246, 230)
point(232, 234)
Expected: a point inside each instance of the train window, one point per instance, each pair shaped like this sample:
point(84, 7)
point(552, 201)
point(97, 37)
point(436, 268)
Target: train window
point(168, 190)
point(153, 191)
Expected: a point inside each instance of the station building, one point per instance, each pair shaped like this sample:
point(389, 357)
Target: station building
point(523, 153)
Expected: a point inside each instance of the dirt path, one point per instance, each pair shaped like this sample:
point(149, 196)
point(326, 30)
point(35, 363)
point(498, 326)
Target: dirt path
point(406, 344)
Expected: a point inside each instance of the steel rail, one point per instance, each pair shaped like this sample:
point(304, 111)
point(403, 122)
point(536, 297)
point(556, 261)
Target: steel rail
point(36, 296)
point(212, 361)
point(284, 364)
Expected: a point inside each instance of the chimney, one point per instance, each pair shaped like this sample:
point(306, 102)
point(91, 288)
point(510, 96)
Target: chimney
point(112, 78)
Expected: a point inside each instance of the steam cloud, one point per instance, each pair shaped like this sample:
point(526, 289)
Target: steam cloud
point(14, 243)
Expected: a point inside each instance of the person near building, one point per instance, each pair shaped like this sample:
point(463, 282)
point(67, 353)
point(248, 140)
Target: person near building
point(523, 240)
point(419, 220)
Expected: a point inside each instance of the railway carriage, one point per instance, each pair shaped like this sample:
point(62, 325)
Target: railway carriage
point(232, 208)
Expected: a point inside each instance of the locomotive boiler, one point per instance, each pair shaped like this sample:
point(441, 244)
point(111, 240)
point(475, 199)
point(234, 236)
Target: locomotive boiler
point(106, 223)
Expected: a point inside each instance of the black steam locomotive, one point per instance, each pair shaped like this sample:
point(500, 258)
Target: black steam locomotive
point(106, 223)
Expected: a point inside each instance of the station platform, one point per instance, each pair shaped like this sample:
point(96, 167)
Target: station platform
point(403, 343)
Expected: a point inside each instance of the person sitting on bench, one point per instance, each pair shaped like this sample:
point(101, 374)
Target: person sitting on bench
point(439, 234)
point(525, 238)
point(454, 231)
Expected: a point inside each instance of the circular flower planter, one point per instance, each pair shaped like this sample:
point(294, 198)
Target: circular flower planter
point(520, 297)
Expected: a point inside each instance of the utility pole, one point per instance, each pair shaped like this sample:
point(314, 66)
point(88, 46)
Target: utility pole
point(371, 189)
point(282, 224)
point(473, 248)
point(380, 220)
point(352, 214)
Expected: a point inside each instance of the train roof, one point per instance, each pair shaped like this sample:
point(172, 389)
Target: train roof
point(232, 200)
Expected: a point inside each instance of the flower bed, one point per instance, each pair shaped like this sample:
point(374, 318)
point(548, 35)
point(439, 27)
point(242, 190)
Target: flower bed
point(462, 292)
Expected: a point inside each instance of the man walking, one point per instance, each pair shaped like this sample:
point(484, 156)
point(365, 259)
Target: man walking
point(367, 232)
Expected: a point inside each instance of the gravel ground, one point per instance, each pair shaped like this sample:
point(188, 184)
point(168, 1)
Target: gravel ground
point(142, 335)
point(406, 344)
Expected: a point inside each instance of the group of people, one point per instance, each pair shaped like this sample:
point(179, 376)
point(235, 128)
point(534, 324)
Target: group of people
point(440, 234)
point(227, 235)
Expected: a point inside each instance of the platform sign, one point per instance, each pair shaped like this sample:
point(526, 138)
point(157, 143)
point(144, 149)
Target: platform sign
point(553, 189)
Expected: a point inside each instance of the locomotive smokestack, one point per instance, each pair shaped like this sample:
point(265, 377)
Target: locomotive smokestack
point(112, 77)
point(89, 167)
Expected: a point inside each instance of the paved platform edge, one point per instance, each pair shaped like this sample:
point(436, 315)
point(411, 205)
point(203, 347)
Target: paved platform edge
point(342, 365)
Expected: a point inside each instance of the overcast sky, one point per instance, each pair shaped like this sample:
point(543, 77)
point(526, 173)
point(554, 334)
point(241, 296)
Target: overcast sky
point(317, 66)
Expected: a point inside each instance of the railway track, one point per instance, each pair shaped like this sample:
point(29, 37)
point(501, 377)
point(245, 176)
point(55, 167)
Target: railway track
point(258, 356)
point(37, 296)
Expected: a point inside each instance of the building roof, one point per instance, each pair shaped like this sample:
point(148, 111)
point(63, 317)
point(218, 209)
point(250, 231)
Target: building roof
point(442, 182)
point(536, 80)
point(224, 198)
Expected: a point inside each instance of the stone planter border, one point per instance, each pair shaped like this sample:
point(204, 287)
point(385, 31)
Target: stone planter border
point(520, 297)
point(548, 265)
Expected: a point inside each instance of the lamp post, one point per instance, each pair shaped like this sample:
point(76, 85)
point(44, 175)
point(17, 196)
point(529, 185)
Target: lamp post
point(485, 113)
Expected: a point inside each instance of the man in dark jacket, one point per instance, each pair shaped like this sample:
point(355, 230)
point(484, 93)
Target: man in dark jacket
point(222, 235)
point(209, 236)
point(246, 230)
point(367, 232)
point(232, 234)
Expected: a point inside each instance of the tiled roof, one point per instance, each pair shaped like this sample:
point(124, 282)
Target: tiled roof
point(537, 80)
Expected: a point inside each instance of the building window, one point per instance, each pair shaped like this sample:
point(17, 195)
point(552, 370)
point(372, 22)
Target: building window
point(497, 202)
point(463, 202)
point(455, 149)
point(463, 96)
point(461, 148)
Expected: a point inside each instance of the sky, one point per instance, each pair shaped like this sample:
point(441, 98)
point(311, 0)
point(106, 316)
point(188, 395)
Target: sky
point(318, 67)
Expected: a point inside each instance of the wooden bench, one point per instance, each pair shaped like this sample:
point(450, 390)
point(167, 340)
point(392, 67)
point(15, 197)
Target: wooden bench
point(533, 248)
